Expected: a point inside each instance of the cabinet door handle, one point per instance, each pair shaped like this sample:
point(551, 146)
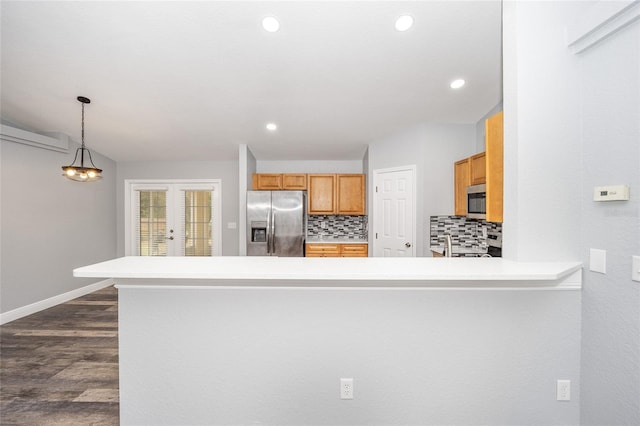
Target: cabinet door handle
point(407, 245)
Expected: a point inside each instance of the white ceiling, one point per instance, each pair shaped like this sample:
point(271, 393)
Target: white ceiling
point(192, 80)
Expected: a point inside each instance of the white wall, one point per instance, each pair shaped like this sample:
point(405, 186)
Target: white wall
point(246, 169)
point(227, 171)
point(609, 78)
point(433, 148)
point(50, 224)
point(348, 166)
point(541, 134)
point(274, 356)
point(571, 123)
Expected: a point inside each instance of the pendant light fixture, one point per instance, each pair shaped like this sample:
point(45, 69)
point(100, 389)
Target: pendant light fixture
point(82, 173)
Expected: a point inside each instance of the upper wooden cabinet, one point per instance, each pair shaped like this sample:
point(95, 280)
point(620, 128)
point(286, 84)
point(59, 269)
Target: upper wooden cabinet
point(494, 145)
point(327, 193)
point(294, 181)
point(478, 168)
point(321, 195)
point(486, 167)
point(336, 194)
point(462, 179)
point(351, 194)
point(276, 181)
point(267, 181)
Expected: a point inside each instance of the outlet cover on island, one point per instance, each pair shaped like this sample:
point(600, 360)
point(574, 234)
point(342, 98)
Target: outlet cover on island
point(346, 388)
point(598, 261)
point(563, 390)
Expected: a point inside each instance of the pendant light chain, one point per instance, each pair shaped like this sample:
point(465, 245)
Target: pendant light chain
point(82, 125)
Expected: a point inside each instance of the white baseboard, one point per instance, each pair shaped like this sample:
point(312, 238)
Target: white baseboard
point(52, 301)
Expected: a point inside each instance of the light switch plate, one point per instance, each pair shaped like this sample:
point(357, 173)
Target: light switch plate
point(232, 225)
point(598, 261)
point(635, 268)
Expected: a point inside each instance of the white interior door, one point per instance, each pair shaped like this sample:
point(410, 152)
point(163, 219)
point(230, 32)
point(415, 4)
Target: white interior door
point(394, 207)
point(173, 219)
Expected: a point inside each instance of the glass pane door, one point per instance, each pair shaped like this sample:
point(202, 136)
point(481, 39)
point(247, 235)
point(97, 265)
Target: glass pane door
point(152, 223)
point(198, 235)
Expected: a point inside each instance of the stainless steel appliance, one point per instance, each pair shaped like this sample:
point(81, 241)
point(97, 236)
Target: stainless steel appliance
point(276, 223)
point(477, 201)
point(494, 242)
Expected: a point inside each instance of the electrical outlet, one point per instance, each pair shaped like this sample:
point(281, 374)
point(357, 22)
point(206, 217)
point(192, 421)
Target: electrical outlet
point(564, 390)
point(346, 388)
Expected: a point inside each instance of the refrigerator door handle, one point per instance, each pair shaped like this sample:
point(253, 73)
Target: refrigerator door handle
point(269, 232)
point(273, 232)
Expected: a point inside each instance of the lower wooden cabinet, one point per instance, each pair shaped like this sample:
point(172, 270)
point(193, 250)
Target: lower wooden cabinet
point(336, 250)
point(354, 250)
point(322, 250)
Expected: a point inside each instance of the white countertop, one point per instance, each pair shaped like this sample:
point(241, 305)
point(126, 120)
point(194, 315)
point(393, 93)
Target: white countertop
point(459, 250)
point(335, 240)
point(374, 271)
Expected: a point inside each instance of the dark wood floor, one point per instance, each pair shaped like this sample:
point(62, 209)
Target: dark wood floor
point(60, 366)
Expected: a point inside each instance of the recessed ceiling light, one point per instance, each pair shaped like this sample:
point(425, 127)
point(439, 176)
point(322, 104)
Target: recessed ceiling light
point(271, 127)
point(456, 84)
point(270, 24)
point(404, 22)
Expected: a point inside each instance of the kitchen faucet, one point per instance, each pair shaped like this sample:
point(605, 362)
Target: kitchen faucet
point(447, 245)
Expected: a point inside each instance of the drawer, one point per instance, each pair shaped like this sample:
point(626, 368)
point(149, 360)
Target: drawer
point(322, 250)
point(354, 250)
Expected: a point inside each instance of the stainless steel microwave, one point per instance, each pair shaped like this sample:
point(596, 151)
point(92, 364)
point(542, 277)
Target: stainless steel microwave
point(477, 201)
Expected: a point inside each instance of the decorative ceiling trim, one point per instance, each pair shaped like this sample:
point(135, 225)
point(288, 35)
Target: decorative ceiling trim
point(600, 21)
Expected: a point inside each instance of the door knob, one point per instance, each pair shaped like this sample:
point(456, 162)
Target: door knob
point(407, 245)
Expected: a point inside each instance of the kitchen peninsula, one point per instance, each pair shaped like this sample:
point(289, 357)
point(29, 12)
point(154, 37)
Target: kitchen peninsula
point(265, 340)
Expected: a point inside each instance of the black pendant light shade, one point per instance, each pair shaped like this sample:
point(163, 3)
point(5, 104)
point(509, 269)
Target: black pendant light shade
point(81, 172)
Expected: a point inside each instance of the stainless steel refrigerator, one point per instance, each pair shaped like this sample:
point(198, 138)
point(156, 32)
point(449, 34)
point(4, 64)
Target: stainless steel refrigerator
point(276, 222)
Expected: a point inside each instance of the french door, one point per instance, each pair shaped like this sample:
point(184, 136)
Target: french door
point(172, 218)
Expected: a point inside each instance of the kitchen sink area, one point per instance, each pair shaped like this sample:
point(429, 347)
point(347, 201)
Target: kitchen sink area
point(467, 237)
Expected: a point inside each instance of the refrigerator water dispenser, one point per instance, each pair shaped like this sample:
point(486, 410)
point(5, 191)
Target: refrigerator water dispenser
point(258, 232)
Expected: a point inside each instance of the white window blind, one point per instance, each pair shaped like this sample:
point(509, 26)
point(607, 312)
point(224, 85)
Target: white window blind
point(151, 223)
point(196, 222)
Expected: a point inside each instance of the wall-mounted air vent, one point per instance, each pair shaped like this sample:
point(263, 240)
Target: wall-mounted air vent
point(52, 141)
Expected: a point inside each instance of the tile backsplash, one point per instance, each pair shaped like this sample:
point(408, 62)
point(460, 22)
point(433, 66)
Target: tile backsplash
point(467, 234)
point(350, 227)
